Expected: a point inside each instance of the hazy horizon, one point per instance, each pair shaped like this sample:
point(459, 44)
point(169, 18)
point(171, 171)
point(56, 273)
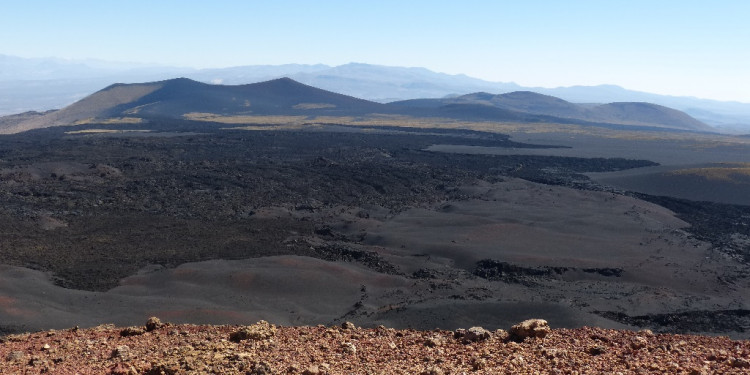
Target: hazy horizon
point(668, 47)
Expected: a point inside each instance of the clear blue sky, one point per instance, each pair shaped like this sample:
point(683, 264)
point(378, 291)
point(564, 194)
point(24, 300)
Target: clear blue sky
point(685, 47)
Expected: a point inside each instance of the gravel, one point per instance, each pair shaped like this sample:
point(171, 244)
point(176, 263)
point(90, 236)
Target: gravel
point(193, 349)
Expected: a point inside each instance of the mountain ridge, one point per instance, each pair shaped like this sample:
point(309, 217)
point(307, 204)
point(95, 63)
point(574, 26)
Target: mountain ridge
point(532, 103)
point(179, 97)
point(23, 89)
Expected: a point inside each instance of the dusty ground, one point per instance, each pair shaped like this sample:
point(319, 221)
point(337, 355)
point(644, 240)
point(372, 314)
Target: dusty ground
point(266, 349)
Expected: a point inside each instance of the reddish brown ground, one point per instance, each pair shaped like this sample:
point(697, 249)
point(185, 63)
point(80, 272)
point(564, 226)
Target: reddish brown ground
point(191, 349)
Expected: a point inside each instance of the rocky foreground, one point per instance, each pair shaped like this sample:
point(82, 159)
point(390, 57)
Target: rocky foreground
point(530, 347)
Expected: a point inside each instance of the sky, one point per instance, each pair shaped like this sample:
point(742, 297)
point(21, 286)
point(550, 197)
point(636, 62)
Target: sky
point(684, 48)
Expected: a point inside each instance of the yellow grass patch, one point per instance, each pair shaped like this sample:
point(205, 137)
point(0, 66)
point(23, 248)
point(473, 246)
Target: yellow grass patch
point(106, 131)
point(313, 106)
point(111, 120)
point(244, 119)
point(291, 126)
point(726, 172)
point(375, 120)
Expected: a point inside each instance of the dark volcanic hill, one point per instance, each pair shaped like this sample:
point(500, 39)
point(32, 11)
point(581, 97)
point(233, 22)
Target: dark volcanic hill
point(531, 106)
point(529, 102)
point(280, 96)
point(177, 97)
point(648, 114)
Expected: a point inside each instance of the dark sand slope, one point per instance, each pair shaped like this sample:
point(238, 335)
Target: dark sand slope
point(592, 252)
point(286, 289)
point(290, 290)
point(722, 183)
point(615, 253)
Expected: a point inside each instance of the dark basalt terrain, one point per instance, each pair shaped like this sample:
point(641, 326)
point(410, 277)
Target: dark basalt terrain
point(719, 224)
point(78, 205)
point(336, 223)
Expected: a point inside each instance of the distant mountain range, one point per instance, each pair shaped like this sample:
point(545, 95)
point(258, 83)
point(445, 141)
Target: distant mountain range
point(181, 97)
point(41, 84)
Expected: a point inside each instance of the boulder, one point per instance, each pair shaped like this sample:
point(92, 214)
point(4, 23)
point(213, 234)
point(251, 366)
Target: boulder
point(258, 331)
point(538, 328)
point(472, 334)
point(132, 331)
point(153, 323)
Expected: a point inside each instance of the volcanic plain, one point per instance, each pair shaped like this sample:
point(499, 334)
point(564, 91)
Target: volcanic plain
point(393, 219)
